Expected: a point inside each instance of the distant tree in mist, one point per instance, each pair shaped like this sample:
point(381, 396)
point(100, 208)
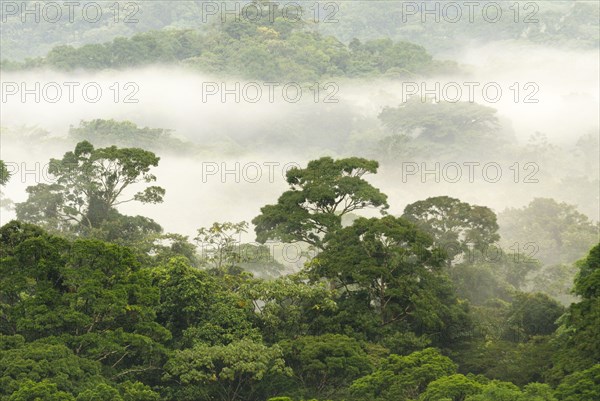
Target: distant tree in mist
point(455, 226)
point(560, 232)
point(127, 134)
point(426, 128)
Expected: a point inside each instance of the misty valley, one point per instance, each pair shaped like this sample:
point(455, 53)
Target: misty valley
point(300, 201)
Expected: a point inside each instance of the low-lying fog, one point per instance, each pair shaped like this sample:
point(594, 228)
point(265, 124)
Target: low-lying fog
point(565, 83)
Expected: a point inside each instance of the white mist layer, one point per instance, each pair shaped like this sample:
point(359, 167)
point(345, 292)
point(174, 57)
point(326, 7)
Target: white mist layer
point(173, 98)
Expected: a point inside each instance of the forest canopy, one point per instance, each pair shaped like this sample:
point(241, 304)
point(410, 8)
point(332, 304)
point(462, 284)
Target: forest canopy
point(372, 239)
point(382, 310)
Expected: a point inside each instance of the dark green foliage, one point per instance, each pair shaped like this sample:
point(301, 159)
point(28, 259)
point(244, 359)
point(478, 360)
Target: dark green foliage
point(391, 277)
point(403, 377)
point(124, 313)
point(85, 308)
point(194, 306)
point(532, 315)
point(325, 365)
point(578, 338)
point(580, 386)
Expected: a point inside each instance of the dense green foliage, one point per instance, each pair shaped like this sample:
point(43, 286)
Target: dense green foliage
point(382, 311)
point(444, 301)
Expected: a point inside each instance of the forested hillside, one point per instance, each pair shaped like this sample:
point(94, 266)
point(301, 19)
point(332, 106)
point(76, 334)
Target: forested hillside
point(371, 239)
point(562, 23)
point(265, 50)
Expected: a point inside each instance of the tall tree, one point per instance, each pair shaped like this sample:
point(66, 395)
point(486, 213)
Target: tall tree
point(320, 195)
point(89, 184)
